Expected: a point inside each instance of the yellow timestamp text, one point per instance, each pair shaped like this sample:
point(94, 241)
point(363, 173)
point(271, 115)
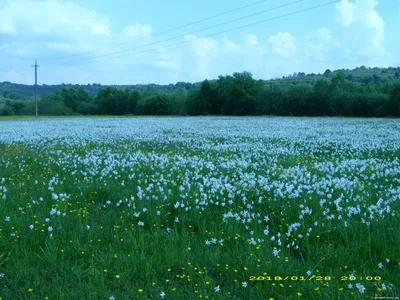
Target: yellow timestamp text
point(313, 278)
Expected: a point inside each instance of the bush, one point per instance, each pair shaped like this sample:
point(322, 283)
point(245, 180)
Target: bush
point(53, 105)
point(393, 105)
point(89, 108)
point(6, 111)
point(159, 104)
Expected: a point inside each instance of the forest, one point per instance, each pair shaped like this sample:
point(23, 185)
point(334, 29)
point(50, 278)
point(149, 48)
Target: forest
point(362, 92)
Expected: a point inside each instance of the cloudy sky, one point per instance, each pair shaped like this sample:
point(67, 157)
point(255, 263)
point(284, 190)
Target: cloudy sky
point(123, 41)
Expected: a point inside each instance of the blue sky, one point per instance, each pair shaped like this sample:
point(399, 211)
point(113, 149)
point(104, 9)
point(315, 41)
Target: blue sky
point(74, 41)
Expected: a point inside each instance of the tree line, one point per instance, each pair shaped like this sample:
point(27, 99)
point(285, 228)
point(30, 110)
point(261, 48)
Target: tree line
point(237, 94)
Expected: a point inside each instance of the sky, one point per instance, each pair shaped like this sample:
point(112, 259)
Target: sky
point(139, 42)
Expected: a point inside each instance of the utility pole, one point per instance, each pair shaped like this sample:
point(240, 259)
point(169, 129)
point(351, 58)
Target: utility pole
point(36, 66)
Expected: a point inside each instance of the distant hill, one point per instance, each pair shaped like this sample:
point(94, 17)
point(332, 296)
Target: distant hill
point(362, 75)
point(15, 91)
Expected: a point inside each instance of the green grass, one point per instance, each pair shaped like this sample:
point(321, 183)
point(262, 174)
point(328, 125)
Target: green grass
point(116, 257)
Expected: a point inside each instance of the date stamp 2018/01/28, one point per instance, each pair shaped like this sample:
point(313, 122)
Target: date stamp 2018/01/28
point(314, 278)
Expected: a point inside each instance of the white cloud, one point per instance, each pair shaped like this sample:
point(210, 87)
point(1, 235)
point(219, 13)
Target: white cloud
point(27, 17)
point(363, 13)
point(364, 32)
point(203, 51)
point(251, 40)
point(137, 30)
point(321, 46)
point(283, 44)
point(345, 12)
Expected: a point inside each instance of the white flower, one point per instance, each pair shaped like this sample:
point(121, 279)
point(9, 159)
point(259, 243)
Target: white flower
point(140, 223)
point(47, 220)
point(7, 219)
point(383, 287)
point(111, 298)
point(162, 295)
point(176, 220)
point(380, 265)
point(361, 288)
point(87, 227)
point(244, 284)
point(276, 252)
point(309, 273)
point(158, 213)
point(2, 275)
point(217, 289)
point(208, 242)
point(30, 227)
point(50, 229)
point(350, 286)
point(168, 229)
point(387, 260)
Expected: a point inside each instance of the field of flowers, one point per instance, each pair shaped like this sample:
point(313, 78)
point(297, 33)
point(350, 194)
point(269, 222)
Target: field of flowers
point(188, 208)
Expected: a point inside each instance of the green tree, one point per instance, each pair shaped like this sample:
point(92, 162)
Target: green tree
point(154, 104)
point(73, 96)
point(322, 94)
point(394, 102)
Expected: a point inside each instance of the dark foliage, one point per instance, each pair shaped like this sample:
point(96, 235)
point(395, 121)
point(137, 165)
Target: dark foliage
point(362, 92)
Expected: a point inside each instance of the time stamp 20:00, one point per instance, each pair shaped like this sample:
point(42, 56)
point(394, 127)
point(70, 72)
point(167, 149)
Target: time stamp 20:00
point(313, 277)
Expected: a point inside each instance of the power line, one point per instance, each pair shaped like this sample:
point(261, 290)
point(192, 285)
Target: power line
point(193, 32)
point(213, 34)
point(162, 32)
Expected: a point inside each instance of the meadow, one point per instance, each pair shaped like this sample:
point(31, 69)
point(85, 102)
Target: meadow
point(201, 207)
